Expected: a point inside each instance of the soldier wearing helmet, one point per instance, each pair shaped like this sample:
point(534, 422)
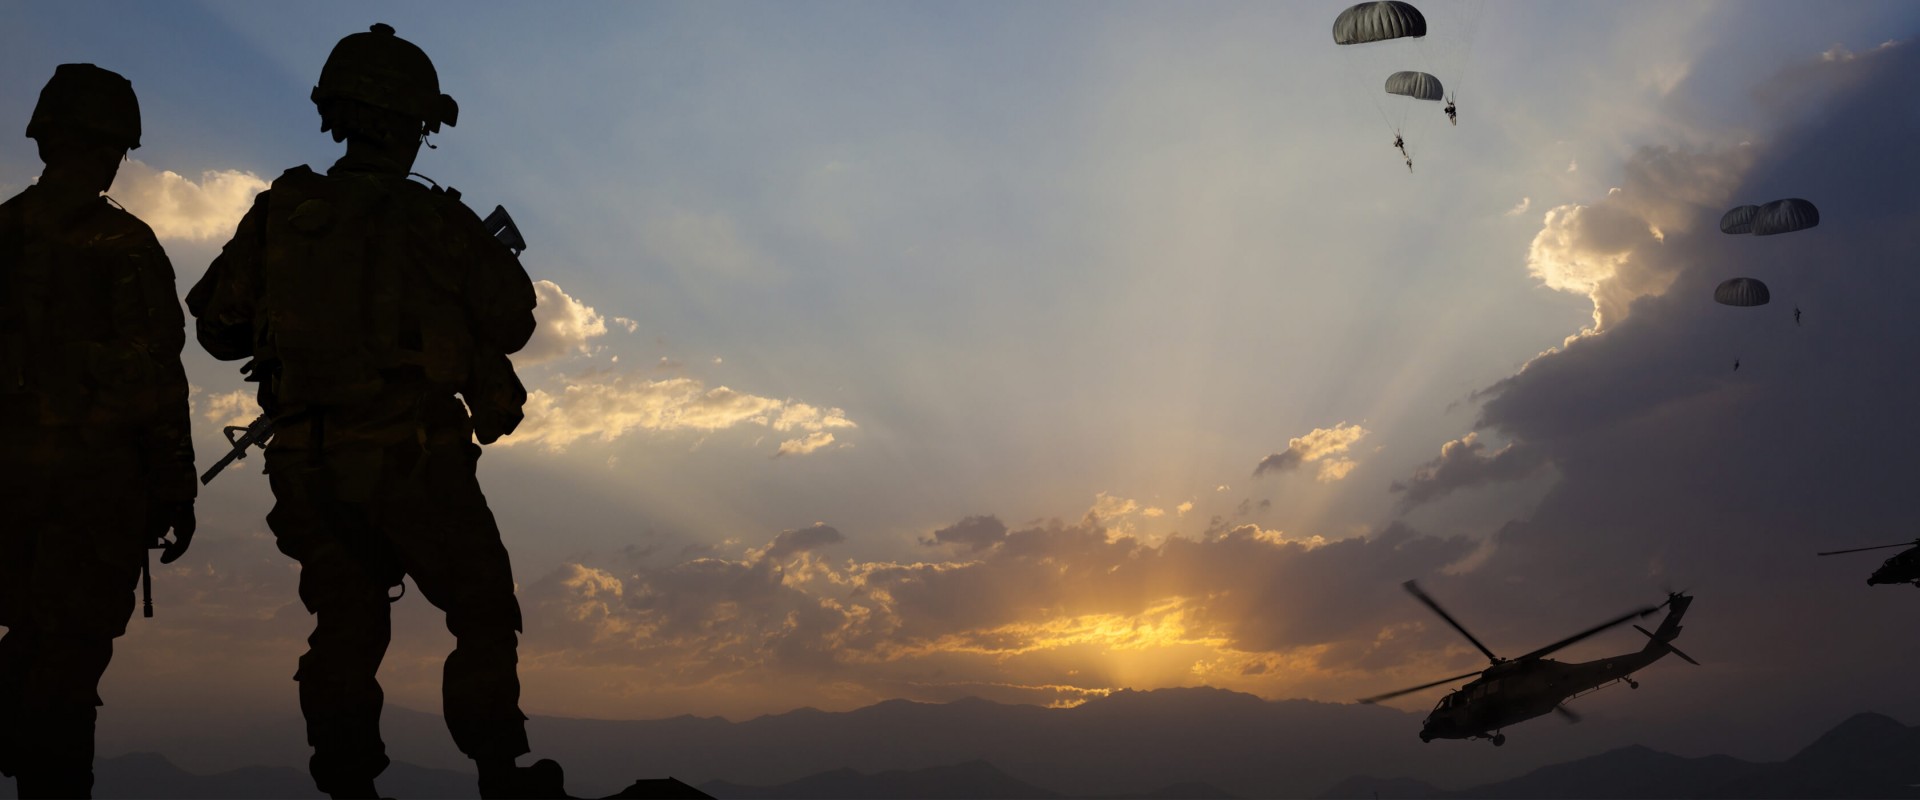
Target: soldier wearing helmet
point(365, 302)
point(97, 463)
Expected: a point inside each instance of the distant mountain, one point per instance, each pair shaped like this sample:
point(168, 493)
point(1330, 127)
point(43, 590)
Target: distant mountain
point(1121, 745)
point(1629, 772)
point(1365, 787)
point(1867, 756)
point(975, 780)
point(148, 775)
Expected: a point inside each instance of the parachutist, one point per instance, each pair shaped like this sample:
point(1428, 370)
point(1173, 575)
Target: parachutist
point(1409, 165)
point(1796, 315)
point(1736, 365)
point(1452, 115)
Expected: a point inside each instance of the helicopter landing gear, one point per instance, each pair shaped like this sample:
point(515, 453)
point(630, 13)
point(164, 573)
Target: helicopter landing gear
point(1631, 683)
point(1499, 739)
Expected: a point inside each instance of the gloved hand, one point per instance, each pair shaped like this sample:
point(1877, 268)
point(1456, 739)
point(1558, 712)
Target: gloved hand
point(175, 516)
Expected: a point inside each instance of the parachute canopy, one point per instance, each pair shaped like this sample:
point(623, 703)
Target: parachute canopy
point(1417, 85)
point(1785, 216)
point(1378, 22)
point(1741, 292)
point(1739, 220)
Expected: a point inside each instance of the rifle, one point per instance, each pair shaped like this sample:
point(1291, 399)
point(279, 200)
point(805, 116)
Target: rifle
point(255, 434)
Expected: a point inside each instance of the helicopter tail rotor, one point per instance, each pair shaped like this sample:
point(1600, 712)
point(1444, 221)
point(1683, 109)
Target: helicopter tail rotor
point(1567, 713)
point(1665, 646)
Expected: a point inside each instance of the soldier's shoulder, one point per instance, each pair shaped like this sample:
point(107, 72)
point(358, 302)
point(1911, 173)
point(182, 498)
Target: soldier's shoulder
point(123, 227)
point(292, 176)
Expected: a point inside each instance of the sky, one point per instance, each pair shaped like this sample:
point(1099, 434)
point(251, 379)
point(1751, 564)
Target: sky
point(1034, 351)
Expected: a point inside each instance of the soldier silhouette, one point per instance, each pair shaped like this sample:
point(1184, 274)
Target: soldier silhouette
point(365, 301)
point(97, 463)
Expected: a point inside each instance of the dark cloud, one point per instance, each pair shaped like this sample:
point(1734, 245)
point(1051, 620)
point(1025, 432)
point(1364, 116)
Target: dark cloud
point(1464, 463)
point(1278, 462)
point(974, 534)
point(791, 543)
point(1677, 472)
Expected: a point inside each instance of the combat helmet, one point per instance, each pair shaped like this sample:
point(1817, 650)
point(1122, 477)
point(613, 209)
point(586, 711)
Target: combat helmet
point(385, 71)
point(87, 100)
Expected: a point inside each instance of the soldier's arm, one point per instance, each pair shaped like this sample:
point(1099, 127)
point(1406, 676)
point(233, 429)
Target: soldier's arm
point(499, 296)
point(168, 441)
point(222, 302)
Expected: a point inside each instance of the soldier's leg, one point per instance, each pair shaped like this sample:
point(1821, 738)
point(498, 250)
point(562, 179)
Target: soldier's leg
point(447, 539)
point(23, 502)
point(85, 569)
point(16, 649)
point(340, 694)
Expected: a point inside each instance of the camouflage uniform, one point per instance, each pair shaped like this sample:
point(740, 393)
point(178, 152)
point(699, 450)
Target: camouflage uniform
point(94, 435)
point(367, 301)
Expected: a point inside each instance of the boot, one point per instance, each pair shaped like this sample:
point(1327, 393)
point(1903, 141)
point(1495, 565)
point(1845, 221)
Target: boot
point(502, 780)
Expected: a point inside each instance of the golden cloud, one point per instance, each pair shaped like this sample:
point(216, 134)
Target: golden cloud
point(1049, 605)
point(564, 326)
point(607, 405)
point(1328, 446)
point(178, 207)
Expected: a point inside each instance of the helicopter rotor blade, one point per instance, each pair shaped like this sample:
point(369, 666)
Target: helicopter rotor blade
point(1875, 547)
point(1414, 589)
point(1390, 695)
point(1568, 713)
point(1629, 617)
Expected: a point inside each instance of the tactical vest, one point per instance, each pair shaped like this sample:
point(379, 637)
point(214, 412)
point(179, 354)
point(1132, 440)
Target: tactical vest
point(358, 291)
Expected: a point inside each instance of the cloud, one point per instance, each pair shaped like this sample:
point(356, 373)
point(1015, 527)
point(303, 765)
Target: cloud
point(803, 445)
point(237, 407)
point(564, 326)
point(1675, 472)
point(1463, 463)
point(803, 417)
point(1520, 207)
point(973, 534)
point(794, 542)
point(1070, 607)
point(1324, 445)
point(177, 207)
point(1024, 605)
point(1612, 250)
point(607, 405)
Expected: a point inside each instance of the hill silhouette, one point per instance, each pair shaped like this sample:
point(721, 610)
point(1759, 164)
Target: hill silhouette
point(975, 780)
point(1868, 755)
point(150, 775)
point(1130, 744)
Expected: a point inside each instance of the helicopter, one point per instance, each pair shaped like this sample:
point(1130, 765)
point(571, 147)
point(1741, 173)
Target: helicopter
point(1510, 691)
point(1901, 568)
